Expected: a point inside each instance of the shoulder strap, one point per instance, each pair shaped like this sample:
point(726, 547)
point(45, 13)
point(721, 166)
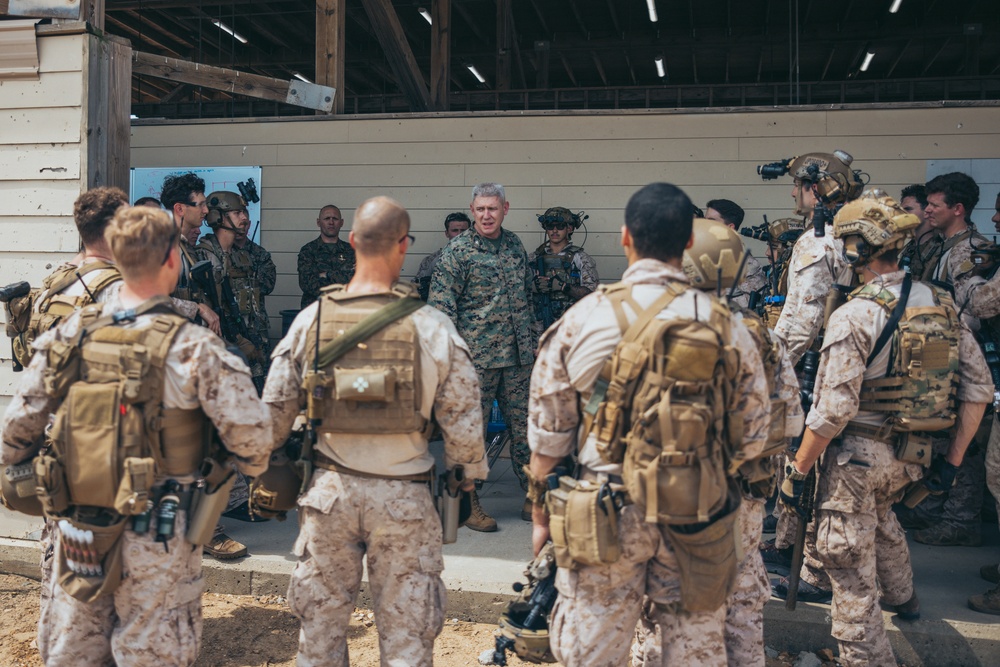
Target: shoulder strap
point(161, 304)
point(367, 328)
point(894, 317)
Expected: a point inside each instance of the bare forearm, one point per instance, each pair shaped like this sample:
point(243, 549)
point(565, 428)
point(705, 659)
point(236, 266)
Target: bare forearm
point(810, 450)
point(969, 416)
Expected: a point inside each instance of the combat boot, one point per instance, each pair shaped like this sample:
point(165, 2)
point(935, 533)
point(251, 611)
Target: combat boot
point(480, 520)
point(776, 561)
point(990, 573)
point(908, 611)
point(946, 535)
point(987, 603)
point(223, 547)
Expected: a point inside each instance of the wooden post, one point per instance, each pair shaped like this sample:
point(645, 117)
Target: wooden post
point(107, 100)
point(390, 35)
point(440, 53)
point(331, 16)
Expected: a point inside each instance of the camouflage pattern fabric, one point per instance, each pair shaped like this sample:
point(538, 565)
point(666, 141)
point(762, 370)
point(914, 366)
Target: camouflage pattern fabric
point(595, 615)
point(922, 256)
point(235, 265)
point(745, 606)
point(152, 620)
point(816, 264)
point(571, 266)
point(264, 276)
point(993, 460)
point(188, 295)
point(861, 545)
point(962, 505)
point(509, 386)
point(754, 280)
point(343, 519)
point(486, 292)
point(425, 272)
point(321, 264)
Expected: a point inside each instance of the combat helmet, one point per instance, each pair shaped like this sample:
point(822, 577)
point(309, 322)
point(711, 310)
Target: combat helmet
point(785, 230)
point(714, 256)
point(276, 491)
point(222, 202)
point(872, 225)
point(835, 181)
point(529, 645)
point(561, 214)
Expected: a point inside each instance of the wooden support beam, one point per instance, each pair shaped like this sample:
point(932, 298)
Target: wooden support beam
point(631, 68)
point(542, 50)
point(944, 45)
point(541, 17)
point(829, 60)
point(294, 92)
point(440, 53)
point(175, 94)
point(470, 22)
point(579, 19)
point(614, 17)
point(330, 47)
point(569, 70)
point(503, 44)
point(895, 62)
point(92, 11)
point(599, 66)
point(397, 50)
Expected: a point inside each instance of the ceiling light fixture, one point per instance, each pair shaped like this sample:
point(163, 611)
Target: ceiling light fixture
point(300, 77)
point(475, 73)
point(426, 14)
point(660, 71)
point(651, 4)
point(868, 61)
point(225, 28)
point(895, 6)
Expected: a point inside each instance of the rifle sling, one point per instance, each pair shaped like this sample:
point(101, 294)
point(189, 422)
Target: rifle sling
point(367, 328)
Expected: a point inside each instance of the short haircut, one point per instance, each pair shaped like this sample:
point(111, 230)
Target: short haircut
point(916, 191)
point(329, 206)
point(489, 190)
point(94, 209)
point(148, 201)
point(659, 218)
point(177, 189)
point(379, 224)
point(139, 238)
point(730, 211)
point(957, 188)
point(456, 216)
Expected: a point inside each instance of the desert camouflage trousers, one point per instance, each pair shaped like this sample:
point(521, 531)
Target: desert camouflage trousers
point(153, 619)
point(343, 519)
point(509, 386)
point(861, 545)
point(993, 460)
point(595, 615)
point(745, 605)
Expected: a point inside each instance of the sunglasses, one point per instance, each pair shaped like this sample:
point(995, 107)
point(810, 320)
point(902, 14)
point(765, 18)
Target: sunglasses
point(413, 239)
point(170, 245)
point(554, 225)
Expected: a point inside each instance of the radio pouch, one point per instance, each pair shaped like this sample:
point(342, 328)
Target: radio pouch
point(583, 523)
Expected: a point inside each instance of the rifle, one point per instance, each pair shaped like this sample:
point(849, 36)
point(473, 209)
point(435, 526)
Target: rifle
point(315, 386)
point(545, 313)
point(8, 294)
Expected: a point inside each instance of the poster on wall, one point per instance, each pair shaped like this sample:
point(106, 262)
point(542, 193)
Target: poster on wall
point(146, 182)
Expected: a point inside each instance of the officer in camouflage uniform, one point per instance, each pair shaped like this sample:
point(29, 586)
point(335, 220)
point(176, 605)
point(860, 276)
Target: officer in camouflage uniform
point(326, 260)
point(369, 495)
point(454, 224)
point(860, 544)
point(227, 215)
point(815, 266)
point(184, 197)
point(923, 252)
point(564, 273)
point(955, 518)
point(154, 616)
point(483, 283)
point(264, 276)
point(731, 214)
point(598, 605)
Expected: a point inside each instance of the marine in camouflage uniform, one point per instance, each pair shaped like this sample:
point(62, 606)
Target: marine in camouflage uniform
point(264, 276)
point(454, 224)
point(564, 273)
point(859, 543)
point(326, 260)
point(596, 611)
point(754, 279)
point(154, 617)
point(364, 501)
point(955, 518)
point(483, 283)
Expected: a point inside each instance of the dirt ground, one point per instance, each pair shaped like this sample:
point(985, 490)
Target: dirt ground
point(250, 631)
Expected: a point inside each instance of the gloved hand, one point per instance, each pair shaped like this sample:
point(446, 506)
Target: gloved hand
point(941, 477)
point(792, 486)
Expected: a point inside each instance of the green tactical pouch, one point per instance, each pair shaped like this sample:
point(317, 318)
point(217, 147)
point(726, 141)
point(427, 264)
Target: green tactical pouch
point(91, 569)
point(583, 523)
point(18, 490)
point(914, 448)
point(707, 558)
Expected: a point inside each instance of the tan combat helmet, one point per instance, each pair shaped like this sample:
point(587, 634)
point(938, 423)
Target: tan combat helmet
point(836, 182)
point(561, 214)
point(785, 230)
point(222, 202)
point(714, 257)
point(871, 225)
